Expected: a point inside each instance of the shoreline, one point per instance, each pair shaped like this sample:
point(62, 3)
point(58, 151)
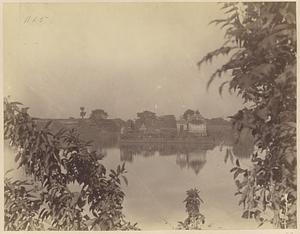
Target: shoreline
point(206, 139)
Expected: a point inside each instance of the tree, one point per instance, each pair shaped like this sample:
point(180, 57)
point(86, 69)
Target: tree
point(54, 161)
point(261, 45)
point(98, 115)
point(146, 115)
point(82, 112)
point(188, 113)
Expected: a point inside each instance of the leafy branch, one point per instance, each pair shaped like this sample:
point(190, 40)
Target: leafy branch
point(263, 73)
point(55, 161)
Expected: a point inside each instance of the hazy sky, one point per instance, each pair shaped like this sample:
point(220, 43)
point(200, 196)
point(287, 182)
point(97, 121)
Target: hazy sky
point(121, 57)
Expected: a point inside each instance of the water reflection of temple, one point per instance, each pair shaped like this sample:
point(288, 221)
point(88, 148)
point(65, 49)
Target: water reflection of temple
point(187, 155)
point(195, 160)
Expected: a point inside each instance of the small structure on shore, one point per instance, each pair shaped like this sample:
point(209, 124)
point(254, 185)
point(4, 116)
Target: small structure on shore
point(193, 123)
point(197, 127)
point(182, 125)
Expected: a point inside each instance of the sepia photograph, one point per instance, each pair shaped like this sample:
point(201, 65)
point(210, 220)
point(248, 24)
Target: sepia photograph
point(147, 116)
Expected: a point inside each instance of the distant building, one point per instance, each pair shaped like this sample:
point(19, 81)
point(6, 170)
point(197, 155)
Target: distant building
point(182, 125)
point(143, 128)
point(192, 122)
point(197, 127)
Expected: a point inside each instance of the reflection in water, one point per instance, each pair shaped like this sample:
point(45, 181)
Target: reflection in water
point(188, 156)
point(157, 184)
point(242, 148)
point(195, 160)
point(160, 173)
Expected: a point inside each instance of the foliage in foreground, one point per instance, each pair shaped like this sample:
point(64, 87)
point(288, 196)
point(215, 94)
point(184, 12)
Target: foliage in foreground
point(195, 219)
point(21, 207)
point(55, 162)
point(261, 45)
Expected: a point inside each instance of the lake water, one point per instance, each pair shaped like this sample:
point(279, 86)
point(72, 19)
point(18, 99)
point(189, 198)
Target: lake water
point(160, 175)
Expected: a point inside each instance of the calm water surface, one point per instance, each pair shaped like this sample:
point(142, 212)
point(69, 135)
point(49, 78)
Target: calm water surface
point(158, 180)
point(159, 177)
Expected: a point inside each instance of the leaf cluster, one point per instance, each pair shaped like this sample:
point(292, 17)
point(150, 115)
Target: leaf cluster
point(57, 161)
point(195, 219)
point(261, 45)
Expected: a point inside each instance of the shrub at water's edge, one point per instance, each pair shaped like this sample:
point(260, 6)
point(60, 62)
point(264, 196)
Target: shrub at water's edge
point(195, 219)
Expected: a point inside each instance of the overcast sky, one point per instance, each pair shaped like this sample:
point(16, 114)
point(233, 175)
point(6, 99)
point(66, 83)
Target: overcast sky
point(121, 57)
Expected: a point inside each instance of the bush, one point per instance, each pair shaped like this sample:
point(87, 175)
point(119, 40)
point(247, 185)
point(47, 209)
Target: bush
point(195, 219)
point(56, 161)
